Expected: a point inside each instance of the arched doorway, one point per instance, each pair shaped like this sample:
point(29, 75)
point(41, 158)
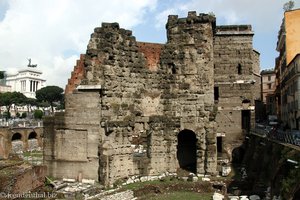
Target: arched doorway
point(32, 141)
point(32, 135)
point(16, 136)
point(187, 151)
point(17, 143)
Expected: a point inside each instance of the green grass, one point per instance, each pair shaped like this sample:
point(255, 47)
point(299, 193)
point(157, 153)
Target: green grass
point(138, 185)
point(181, 195)
point(37, 154)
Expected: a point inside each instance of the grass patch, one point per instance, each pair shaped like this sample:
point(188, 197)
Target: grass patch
point(181, 195)
point(38, 154)
point(138, 185)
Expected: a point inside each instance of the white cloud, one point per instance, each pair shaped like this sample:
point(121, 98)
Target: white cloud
point(264, 16)
point(46, 30)
point(54, 32)
point(162, 17)
point(254, 12)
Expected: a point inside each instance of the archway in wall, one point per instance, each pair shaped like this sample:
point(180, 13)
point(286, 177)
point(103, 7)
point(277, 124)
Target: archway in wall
point(32, 141)
point(187, 150)
point(17, 143)
point(16, 136)
point(32, 135)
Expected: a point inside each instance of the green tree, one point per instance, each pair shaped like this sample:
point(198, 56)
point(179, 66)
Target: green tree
point(7, 99)
point(1, 74)
point(50, 94)
point(38, 114)
point(29, 103)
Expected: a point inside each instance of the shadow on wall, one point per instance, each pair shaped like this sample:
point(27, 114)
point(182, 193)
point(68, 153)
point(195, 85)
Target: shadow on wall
point(238, 155)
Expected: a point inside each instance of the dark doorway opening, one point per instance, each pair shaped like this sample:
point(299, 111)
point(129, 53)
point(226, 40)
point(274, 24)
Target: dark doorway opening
point(238, 155)
point(216, 93)
point(219, 145)
point(16, 136)
point(239, 69)
point(187, 150)
point(246, 117)
point(32, 135)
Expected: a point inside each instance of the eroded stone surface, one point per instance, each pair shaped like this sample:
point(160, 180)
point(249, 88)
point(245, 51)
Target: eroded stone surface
point(144, 95)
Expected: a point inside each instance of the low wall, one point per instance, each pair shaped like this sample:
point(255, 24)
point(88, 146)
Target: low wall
point(273, 164)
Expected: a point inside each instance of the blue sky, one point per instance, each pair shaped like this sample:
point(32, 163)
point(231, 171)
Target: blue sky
point(54, 32)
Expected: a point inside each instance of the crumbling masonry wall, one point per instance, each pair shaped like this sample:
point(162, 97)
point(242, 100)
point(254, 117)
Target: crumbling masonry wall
point(132, 102)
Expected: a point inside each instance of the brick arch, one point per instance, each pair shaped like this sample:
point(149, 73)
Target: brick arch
point(32, 135)
point(39, 132)
point(16, 136)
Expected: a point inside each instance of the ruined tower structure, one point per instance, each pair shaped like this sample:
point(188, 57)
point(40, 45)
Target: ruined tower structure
point(136, 108)
point(237, 87)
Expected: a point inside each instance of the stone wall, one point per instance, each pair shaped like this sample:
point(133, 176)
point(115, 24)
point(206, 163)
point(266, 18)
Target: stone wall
point(74, 146)
point(135, 99)
point(27, 139)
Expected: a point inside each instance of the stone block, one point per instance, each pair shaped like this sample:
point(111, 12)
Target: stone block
point(88, 181)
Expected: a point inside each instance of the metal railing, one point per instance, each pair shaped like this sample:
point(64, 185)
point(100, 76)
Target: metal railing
point(285, 136)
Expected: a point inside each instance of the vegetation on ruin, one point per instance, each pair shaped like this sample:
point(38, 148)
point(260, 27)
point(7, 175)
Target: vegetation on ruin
point(38, 114)
point(171, 188)
point(179, 195)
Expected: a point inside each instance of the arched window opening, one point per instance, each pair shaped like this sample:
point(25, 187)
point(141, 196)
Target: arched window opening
point(16, 136)
point(246, 101)
point(32, 135)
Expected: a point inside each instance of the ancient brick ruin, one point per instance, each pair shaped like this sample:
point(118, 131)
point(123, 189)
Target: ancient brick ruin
point(135, 108)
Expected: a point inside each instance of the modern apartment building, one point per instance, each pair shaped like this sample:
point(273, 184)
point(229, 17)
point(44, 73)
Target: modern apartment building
point(290, 94)
point(286, 69)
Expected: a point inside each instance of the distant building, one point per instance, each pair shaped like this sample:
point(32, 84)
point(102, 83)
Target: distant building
point(268, 90)
point(288, 46)
point(26, 81)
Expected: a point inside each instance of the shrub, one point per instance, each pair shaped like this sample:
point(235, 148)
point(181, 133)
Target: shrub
point(38, 114)
point(6, 115)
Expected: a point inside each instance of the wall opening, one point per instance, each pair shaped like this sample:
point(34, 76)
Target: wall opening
point(16, 136)
point(172, 68)
point(239, 69)
point(219, 144)
point(246, 117)
point(238, 155)
point(187, 151)
point(32, 135)
point(216, 93)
